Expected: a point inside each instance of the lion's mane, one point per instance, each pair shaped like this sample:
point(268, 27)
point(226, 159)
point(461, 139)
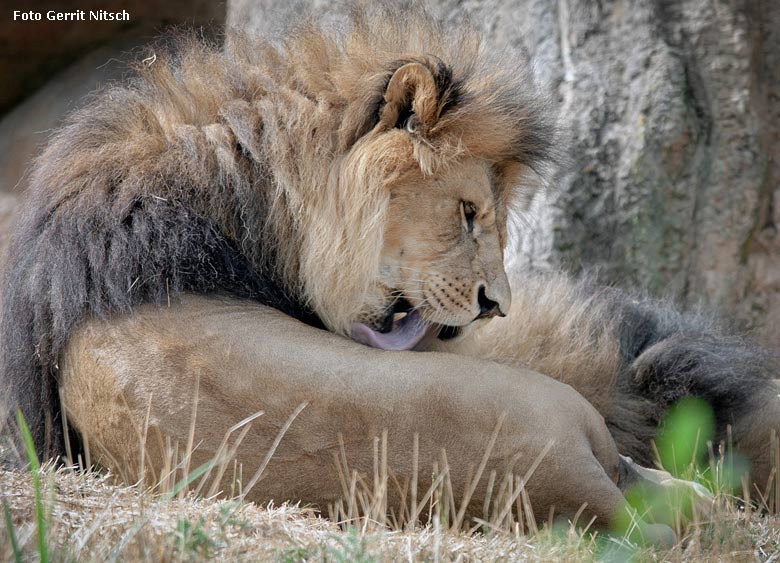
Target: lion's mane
point(246, 169)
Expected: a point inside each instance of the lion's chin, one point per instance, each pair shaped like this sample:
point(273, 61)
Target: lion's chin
point(404, 335)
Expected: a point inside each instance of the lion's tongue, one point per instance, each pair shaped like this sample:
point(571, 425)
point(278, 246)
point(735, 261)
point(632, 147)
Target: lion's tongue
point(404, 335)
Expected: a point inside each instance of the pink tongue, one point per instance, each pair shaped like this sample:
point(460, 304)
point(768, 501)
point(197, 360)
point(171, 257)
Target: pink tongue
point(404, 335)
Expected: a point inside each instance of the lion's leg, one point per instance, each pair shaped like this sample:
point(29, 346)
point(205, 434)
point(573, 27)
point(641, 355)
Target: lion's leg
point(137, 376)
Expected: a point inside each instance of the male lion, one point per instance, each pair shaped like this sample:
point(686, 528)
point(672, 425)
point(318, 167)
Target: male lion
point(200, 224)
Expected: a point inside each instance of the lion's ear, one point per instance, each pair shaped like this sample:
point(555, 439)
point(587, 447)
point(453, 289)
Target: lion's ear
point(411, 99)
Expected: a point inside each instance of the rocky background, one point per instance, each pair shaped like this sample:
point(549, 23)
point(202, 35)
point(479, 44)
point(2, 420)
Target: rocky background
point(669, 110)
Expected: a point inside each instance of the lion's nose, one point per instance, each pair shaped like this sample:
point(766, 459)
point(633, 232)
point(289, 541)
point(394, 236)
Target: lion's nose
point(487, 307)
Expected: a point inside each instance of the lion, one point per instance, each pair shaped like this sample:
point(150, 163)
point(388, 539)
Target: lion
point(321, 224)
point(301, 177)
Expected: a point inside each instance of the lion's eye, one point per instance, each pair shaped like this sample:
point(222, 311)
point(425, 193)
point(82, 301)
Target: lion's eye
point(467, 213)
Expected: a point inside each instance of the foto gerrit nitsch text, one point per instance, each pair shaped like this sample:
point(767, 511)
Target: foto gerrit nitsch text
point(74, 16)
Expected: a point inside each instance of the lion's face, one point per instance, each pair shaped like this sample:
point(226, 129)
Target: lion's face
point(442, 257)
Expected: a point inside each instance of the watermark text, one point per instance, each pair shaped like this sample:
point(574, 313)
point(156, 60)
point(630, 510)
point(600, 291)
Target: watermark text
point(75, 16)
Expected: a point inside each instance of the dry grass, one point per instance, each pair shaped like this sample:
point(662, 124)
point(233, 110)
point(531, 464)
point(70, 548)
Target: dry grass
point(90, 518)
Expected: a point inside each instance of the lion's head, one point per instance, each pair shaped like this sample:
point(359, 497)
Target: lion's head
point(396, 147)
point(442, 255)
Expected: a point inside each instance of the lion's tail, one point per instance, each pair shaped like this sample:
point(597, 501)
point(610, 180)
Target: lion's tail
point(667, 355)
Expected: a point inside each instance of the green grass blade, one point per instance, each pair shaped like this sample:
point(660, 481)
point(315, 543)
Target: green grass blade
point(9, 526)
point(196, 473)
point(40, 519)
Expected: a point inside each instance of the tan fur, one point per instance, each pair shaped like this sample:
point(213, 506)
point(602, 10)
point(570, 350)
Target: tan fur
point(551, 328)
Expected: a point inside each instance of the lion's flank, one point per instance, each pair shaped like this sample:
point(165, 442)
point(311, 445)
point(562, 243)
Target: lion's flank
point(256, 169)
